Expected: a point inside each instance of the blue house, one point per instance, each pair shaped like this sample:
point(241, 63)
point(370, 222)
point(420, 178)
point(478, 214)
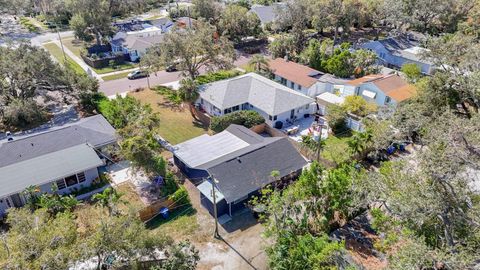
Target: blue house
point(397, 51)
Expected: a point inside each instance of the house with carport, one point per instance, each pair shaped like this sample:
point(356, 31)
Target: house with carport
point(275, 102)
point(66, 156)
point(235, 164)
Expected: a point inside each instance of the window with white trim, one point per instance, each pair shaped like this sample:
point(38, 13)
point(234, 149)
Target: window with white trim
point(81, 177)
point(61, 184)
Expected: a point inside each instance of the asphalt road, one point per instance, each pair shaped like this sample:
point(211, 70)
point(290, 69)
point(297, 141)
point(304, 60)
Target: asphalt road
point(119, 86)
point(125, 85)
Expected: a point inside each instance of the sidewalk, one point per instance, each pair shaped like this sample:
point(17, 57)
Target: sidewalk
point(79, 61)
point(118, 72)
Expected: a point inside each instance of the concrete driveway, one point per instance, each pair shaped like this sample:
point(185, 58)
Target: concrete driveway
point(241, 246)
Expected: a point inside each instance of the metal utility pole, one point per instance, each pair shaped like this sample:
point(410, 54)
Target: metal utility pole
point(319, 142)
point(61, 44)
point(214, 196)
point(148, 80)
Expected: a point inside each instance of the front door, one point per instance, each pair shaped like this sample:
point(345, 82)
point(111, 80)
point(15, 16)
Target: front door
point(17, 201)
point(292, 114)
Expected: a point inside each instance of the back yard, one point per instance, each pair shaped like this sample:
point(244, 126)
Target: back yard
point(176, 124)
point(336, 148)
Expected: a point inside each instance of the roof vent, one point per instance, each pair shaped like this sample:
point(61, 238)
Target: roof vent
point(286, 57)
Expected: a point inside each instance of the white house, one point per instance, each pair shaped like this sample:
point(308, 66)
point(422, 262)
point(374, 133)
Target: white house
point(397, 51)
point(275, 102)
point(306, 80)
point(266, 14)
point(67, 156)
point(135, 38)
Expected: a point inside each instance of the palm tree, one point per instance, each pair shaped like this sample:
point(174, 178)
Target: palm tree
point(31, 194)
point(55, 203)
point(359, 142)
point(109, 199)
point(188, 90)
point(312, 144)
point(259, 63)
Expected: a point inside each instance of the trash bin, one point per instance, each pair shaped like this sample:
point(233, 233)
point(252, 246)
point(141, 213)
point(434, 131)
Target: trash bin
point(164, 212)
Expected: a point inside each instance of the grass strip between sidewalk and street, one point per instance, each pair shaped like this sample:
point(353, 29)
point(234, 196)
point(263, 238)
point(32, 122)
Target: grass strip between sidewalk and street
point(56, 52)
point(116, 76)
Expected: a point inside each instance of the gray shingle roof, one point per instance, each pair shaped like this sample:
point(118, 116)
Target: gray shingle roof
point(267, 95)
point(245, 173)
point(135, 42)
point(245, 168)
point(95, 130)
point(206, 151)
point(397, 43)
point(266, 14)
point(47, 168)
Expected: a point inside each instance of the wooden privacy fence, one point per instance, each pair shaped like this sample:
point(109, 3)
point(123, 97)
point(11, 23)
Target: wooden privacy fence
point(267, 129)
point(153, 209)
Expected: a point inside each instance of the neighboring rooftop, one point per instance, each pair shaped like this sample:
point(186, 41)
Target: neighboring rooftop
point(265, 94)
point(329, 98)
point(329, 78)
point(297, 73)
point(94, 130)
point(396, 87)
point(266, 14)
point(413, 53)
point(392, 85)
point(397, 43)
point(365, 79)
point(46, 168)
point(139, 43)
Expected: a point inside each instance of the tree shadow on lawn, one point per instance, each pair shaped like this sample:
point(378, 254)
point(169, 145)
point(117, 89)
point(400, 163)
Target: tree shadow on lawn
point(198, 124)
point(343, 133)
point(186, 210)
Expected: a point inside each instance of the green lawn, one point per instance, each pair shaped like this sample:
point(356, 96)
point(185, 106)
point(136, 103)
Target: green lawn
point(74, 45)
point(56, 52)
point(182, 222)
point(176, 124)
point(116, 76)
point(123, 66)
point(336, 149)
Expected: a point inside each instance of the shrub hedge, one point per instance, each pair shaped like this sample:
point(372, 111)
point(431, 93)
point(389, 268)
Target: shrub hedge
point(245, 118)
point(217, 76)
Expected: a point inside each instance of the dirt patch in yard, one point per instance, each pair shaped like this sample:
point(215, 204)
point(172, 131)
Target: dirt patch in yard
point(242, 248)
